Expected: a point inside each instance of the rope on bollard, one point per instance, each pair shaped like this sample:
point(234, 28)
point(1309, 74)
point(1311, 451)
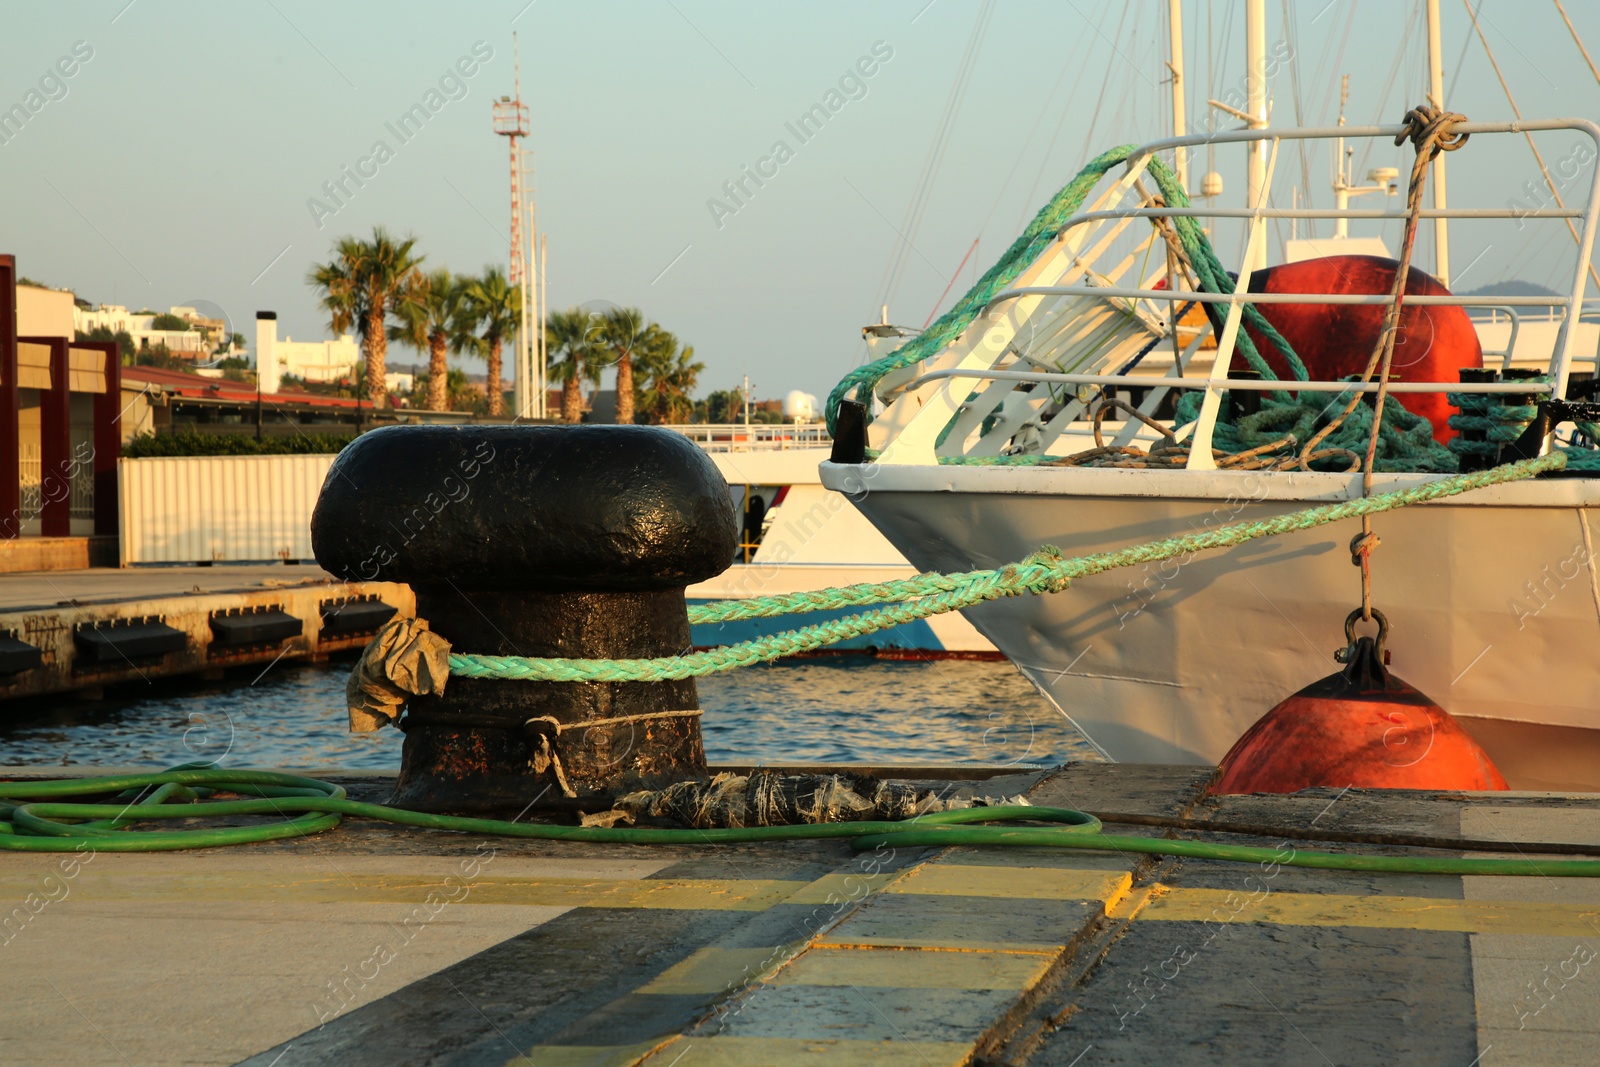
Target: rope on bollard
point(933, 594)
point(1499, 423)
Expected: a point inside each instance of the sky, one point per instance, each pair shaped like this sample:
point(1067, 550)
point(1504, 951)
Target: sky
point(184, 159)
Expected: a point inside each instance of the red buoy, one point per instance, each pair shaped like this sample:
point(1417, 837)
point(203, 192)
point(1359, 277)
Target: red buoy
point(1361, 727)
point(1335, 340)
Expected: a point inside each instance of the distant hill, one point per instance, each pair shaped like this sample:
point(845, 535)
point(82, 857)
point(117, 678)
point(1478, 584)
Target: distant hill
point(1511, 287)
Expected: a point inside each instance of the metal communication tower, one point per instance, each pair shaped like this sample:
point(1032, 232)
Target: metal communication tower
point(511, 122)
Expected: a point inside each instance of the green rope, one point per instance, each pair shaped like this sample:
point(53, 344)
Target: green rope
point(1499, 423)
point(39, 822)
point(1028, 246)
point(933, 594)
point(1405, 440)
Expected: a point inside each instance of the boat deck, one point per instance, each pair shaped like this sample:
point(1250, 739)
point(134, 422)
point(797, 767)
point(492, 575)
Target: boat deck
point(374, 944)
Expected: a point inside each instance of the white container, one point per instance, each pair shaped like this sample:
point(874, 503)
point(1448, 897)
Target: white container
point(194, 509)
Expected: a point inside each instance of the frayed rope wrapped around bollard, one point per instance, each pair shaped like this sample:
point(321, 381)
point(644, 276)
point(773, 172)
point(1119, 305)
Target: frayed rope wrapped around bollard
point(933, 594)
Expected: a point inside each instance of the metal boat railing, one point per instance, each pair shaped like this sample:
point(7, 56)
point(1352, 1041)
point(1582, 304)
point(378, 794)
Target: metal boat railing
point(756, 437)
point(1054, 334)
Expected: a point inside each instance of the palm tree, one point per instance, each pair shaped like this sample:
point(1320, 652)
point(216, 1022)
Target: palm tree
point(620, 331)
point(433, 316)
point(231, 345)
point(670, 375)
point(569, 337)
point(359, 288)
point(493, 308)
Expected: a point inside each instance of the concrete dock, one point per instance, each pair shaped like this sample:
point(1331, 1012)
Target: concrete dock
point(377, 945)
point(85, 631)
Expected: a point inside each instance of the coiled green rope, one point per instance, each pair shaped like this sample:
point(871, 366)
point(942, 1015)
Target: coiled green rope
point(1405, 440)
point(36, 819)
point(1500, 424)
point(1497, 422)
point(934, 594)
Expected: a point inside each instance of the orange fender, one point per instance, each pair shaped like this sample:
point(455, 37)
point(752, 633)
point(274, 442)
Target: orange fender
point(1362, 727)
point(1337, 340)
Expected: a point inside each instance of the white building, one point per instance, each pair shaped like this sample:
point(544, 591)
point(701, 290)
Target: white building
point(140, 325)
point(312, 361)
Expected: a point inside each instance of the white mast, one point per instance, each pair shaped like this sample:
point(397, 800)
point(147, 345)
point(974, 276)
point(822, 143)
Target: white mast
point(1341, 177)
point(511, 122)
point(1255, 32)
point(1180, 156)
point(1441, 236)
point(544, 310)
point(532, 319)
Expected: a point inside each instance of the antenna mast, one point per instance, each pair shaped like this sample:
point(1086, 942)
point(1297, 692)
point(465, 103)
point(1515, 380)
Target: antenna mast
point(1180, 156)
point(1441, 235)
point(511, 122)
point(1255, 23)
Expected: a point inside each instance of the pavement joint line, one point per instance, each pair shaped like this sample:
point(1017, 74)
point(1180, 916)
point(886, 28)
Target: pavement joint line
point(1135, 900)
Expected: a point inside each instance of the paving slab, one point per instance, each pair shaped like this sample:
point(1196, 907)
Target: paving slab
point(1211, 963)
point(377, 944)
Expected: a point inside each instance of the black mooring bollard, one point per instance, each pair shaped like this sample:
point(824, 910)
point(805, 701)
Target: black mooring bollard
point(536, 541)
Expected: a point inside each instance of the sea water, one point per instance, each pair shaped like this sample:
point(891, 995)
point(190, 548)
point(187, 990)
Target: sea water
point(833, 709)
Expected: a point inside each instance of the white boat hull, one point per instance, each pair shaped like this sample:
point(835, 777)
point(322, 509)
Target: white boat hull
point(1492, 597)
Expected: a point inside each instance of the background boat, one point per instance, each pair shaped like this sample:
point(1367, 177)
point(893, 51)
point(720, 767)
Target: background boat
point(799, 536)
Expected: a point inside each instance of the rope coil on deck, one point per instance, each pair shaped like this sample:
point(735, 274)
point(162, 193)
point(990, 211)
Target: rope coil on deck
point(1482, 413)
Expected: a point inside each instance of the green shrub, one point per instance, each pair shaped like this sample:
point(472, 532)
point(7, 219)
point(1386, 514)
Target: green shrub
point(190, 443)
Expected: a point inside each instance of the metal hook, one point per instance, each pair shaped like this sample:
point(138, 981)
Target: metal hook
point(1344, 654)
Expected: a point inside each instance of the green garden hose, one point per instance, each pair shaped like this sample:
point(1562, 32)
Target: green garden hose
point(34, 819)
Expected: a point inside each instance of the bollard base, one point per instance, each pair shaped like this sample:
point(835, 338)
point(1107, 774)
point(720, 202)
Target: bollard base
point(490, 745)
point(458, 767)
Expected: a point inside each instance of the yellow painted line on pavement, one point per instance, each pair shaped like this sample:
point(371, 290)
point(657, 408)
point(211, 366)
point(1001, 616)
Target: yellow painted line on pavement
point(716, 970)
point(1014, 883)
point(586, 1055)
point(706, 894)
point(1175, 904)
point(841, 887)
point(895, 968)
point(1018, 948)
point(784, 1051)
point(1134, 901)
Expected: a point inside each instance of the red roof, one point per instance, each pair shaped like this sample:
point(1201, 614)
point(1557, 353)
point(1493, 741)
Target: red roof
point(182, 383)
